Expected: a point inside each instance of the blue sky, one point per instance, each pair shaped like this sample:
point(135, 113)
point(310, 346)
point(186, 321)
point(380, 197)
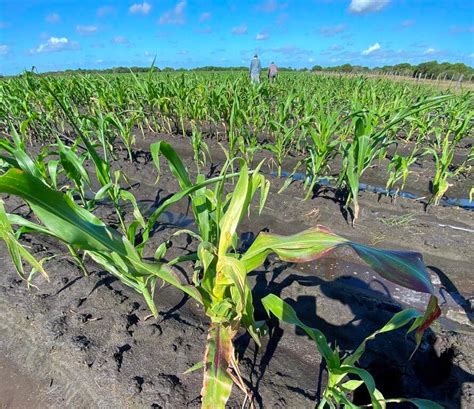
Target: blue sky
point(61, 34)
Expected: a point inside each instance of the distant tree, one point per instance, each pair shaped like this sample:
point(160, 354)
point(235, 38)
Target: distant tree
point(429, 69)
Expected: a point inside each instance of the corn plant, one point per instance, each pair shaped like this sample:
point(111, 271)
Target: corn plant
point(200, 148)
point(340, 386)
point(371, 141)
point(399, 170)
point(442, 151)
point(324, 146)
point(73, 225)
point(125, 128)
point(221, 272)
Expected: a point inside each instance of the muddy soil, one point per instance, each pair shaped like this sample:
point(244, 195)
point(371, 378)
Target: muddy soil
point(87, 342)
point(18, 390)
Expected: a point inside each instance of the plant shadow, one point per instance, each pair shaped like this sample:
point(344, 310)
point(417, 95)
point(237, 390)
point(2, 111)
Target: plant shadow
point(449, 287)
point(366, 310)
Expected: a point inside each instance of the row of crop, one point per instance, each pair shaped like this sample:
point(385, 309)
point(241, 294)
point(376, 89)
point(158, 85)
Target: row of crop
point(64, 184)
point(316, 118)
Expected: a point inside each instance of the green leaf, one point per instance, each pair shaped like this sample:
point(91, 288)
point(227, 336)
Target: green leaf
point(174, 161)
point(419, 403)
point(365, 376)
point(298, 248)
point(399, 320)
point(72, 164)
point(234, 212)
point(231, 271)
point(17, 251)
point(195, 367)
point(351, 385)
point(80, 228)
point(284, 312)
point(61, 215)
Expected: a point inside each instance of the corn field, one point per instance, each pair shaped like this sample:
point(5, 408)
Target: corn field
point(63, 138)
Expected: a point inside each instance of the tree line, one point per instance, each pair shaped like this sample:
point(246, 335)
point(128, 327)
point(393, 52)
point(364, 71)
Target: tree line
point(430, 69)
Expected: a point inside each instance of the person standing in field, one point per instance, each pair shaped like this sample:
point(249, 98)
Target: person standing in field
point(272, 72)
point(255, 68)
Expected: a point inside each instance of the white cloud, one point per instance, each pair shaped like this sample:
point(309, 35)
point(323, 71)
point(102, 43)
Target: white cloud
point(263, 35)
point(120, 40)
point(269, 6)
point(205, 16)
point(330, 31)
point(53, 18)
point(367, 6)
point(430, 51)
point(240, 30)
point(55, 44)
point(175, 15)
point(105, 11)
point(371, 49)
point(4, 49)
point(86, 30)
point(137, 8)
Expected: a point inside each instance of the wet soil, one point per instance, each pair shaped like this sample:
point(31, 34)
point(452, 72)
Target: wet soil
point(87, 342)
point(18, 390)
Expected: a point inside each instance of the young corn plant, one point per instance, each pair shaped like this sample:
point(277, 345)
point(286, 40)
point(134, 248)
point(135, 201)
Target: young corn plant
point(340, 387)
point(399, 170)
point(370, 141)
point(200, 148)
point(324, 146)
point(221, 272)
point(125, 128)
point(442, 151)
point(75, 226)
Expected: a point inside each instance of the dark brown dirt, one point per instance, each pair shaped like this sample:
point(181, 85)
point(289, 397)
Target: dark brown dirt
point(85, 340)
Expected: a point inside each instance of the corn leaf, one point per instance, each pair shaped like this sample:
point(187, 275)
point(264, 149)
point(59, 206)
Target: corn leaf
point(174, 161)
point(80, 228)
point(366, 377)
point(297, 248)
point(17, 251)
point(234, 212)
point(399, 320)
point(405, 268)
point(284, 312)
point(61, 215)
point(419, 403)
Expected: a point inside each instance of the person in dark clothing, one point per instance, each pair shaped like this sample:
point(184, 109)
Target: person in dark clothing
point(272, 72)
